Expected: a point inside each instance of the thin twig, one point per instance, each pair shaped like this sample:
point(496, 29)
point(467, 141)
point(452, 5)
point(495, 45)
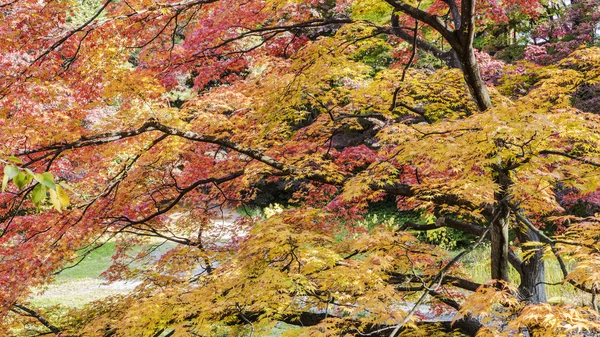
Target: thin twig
point(237, 306)
point(409, 63)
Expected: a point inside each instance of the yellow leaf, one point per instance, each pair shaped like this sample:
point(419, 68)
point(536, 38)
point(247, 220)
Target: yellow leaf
point(59, 198)
point(63, 197)
point(55, 200)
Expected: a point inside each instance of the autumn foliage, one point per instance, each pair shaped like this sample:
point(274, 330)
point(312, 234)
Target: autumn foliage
point(142, 122)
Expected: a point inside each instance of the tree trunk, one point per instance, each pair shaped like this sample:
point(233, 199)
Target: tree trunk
point(461, 41)
point(473, 78)
point(499, 253)
point(500, 222)
point(532, 288)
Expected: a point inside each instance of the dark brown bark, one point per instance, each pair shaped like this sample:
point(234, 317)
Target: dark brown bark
point(460, 39)
point(473, 79)
point(21, 309)
point(532, 288)
point(500, 223)
point(404, 279)
point(467, 325)
point(470, 68)
point(449, 57)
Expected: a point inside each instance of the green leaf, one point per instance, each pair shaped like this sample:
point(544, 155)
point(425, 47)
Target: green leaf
point(65, 186)
point(45, 179)
point(11, 171)
point(15, 160)
point(38, 194)
point(22, 179)
point(4, 182)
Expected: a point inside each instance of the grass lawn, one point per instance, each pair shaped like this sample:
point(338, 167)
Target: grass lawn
point(92, 265)
point(77, 286)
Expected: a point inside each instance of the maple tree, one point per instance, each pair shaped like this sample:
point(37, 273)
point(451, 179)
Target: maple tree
point(134, 121)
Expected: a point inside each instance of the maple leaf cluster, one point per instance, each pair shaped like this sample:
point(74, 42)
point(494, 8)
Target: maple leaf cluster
point(148, 123)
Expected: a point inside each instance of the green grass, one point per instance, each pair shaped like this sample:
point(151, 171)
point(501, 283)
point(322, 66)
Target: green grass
point(99, 259)
point(81, 284)
point(92, 265)
point(77, 293)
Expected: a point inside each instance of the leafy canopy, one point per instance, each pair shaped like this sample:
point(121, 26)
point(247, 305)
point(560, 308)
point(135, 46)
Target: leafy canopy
point(147, 122)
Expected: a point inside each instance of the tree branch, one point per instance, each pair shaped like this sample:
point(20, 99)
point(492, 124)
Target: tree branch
point(32, 313)
point(570, 156)
point(449, 57)
point(71, 33)
point(467, 27)
point(398, 278)
point(432, 20)
point(438, 279)
point(455, 14)
point(448, 222)
point(149, 126)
